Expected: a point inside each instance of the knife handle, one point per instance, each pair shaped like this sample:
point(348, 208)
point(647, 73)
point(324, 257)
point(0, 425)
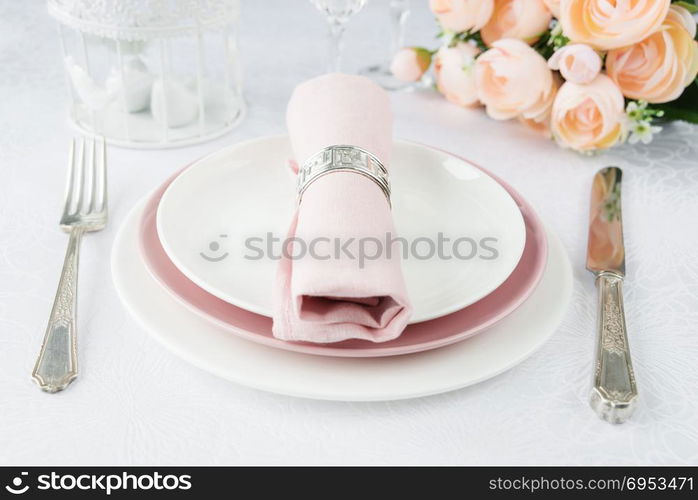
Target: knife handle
point(615, 393)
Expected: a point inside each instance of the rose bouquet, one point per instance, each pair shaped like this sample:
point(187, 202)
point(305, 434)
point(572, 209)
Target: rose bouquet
point(589, 73)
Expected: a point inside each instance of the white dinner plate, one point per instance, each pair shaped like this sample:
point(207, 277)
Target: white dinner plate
point(209, 215)
point(213, 349)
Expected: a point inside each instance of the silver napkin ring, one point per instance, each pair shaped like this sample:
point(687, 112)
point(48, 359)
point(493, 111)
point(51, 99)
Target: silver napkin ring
point(343, 158)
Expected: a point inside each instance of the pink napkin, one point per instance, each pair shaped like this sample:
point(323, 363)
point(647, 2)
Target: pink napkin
point(341, 297)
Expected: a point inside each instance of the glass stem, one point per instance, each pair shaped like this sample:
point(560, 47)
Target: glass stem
point(399, 12)
point(336, 44)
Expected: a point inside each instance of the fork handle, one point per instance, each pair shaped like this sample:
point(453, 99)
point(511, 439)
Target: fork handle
point(57, 364)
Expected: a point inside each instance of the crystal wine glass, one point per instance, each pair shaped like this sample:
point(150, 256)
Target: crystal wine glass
point(337, 13)
point(399, 11)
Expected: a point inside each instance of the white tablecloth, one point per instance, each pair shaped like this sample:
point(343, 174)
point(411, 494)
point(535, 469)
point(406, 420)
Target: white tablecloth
point(136, 403)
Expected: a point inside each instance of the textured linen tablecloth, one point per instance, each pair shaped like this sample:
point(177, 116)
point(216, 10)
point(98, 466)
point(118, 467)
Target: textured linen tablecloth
point(136, 403)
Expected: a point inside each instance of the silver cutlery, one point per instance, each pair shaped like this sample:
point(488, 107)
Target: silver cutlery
point(614, 394)
point(85, 210)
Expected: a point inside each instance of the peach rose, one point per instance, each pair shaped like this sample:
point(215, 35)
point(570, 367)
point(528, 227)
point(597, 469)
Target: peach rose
point(540, 127)
point(541, 122)
point(410, 63)
point(658, 68)
point(609, 24)
point(522, 19)
point(462, 15)
point(588, 117)
point(578, 63)
point(513, 80)
point(455, 75)
point(553, 6)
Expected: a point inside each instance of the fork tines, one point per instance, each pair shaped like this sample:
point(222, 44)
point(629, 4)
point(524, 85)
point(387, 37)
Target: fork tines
point(86, 190)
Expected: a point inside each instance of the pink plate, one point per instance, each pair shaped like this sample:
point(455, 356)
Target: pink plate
point(417, 337)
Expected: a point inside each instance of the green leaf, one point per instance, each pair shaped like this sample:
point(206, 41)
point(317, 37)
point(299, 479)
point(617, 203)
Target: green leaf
point(688, 5)
point(423, 57)
point(543, 45)
point(467, 36)
point(685, 108)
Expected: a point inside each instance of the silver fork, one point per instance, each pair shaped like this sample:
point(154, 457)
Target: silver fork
point(85, 210)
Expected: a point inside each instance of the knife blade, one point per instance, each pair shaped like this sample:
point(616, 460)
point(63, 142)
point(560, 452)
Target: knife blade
point(614, 394)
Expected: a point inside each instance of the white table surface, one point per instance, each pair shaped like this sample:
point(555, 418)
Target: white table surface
point(136, 403)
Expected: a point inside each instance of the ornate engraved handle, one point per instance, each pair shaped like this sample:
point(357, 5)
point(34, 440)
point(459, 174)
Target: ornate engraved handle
point(614, 394)
point(57, 364)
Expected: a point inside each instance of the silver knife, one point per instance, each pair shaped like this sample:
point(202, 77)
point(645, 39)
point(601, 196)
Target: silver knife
point(614, 394)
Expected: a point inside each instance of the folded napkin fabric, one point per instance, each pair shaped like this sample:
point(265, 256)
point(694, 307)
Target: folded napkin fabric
point(335, 296)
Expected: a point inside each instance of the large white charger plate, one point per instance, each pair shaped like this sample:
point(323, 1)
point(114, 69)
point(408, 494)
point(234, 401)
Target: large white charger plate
point(247, 191)
point(213, 349)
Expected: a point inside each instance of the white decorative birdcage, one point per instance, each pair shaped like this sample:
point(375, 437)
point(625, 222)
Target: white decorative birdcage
point(151, 73)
